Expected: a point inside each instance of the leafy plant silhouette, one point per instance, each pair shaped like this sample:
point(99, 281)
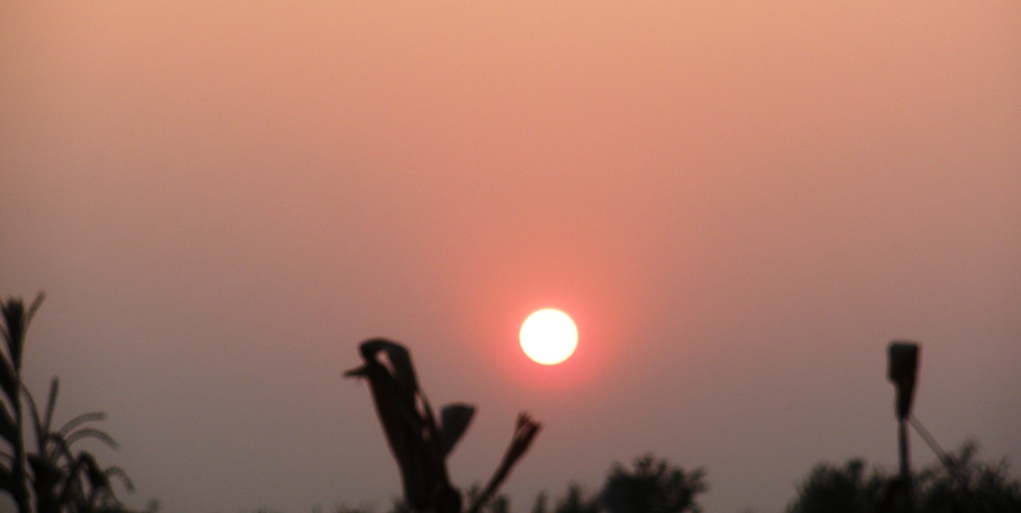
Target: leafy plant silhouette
point(60, 479)
point(653, 486)
point(959, 483)
point(419, 443)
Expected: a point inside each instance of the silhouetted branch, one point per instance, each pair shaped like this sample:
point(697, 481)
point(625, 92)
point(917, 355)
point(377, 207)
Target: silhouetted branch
point(524, 433)
point(418, 443)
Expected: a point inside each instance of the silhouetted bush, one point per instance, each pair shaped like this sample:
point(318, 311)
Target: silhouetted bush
point(577, 501)
point(653, 486)
point(844, 489)
point(967, 484)
point(960, 485)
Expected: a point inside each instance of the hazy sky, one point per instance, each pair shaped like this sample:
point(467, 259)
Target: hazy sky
point(741, 204)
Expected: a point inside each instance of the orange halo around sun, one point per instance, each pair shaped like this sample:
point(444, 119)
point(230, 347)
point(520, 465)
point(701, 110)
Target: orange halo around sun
point(549, 336)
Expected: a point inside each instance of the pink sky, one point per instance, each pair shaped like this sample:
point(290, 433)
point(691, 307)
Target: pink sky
point(740, 205)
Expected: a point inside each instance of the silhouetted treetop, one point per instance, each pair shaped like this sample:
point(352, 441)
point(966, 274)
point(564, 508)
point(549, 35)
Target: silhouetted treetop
point(653, 486)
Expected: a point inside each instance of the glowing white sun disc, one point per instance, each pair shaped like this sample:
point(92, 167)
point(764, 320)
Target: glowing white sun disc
point(549, 336)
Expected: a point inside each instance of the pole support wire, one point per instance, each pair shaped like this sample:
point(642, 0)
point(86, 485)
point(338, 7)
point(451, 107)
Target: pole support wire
point(951, 465)
point(933, 444)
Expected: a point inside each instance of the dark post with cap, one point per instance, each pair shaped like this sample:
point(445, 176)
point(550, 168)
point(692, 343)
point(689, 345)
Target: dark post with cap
point(902, 372)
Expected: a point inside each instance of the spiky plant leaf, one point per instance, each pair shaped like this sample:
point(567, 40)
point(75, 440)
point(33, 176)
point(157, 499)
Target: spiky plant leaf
point(93, 472)
point(8, 379)
point(14, 329)
point(8, 427)
point(63, 449)
point(51, 403)
point(6, 479)
point(13, 311)
point(46, 471)
point(119, 473)
point(47, 478)
point(70, 425)
point(36, 303)
point(16, 320)
point(40, 432)
point(91, 433)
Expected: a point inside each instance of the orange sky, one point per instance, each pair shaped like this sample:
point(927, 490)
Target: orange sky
point(739, 204)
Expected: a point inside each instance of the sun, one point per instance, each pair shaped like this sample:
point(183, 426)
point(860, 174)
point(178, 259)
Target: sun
point(549, 336)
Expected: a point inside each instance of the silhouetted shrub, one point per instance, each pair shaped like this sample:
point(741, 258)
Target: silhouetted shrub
point(653, 486)
point(960, 485)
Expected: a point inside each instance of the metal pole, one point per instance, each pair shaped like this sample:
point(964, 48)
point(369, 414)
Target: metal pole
point(905, 467)
point(902, 371)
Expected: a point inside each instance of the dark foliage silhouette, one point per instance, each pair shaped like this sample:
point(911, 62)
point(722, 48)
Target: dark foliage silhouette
point(499, 503)
point(418, 442)
point(541, 503)
point(653, 486)
point(844, 489)
point(965, 483)
point(577, 501)
point(58, 478)
point(959, 484)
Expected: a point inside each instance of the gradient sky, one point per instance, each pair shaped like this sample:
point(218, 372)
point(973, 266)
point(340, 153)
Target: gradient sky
point(741, 204)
